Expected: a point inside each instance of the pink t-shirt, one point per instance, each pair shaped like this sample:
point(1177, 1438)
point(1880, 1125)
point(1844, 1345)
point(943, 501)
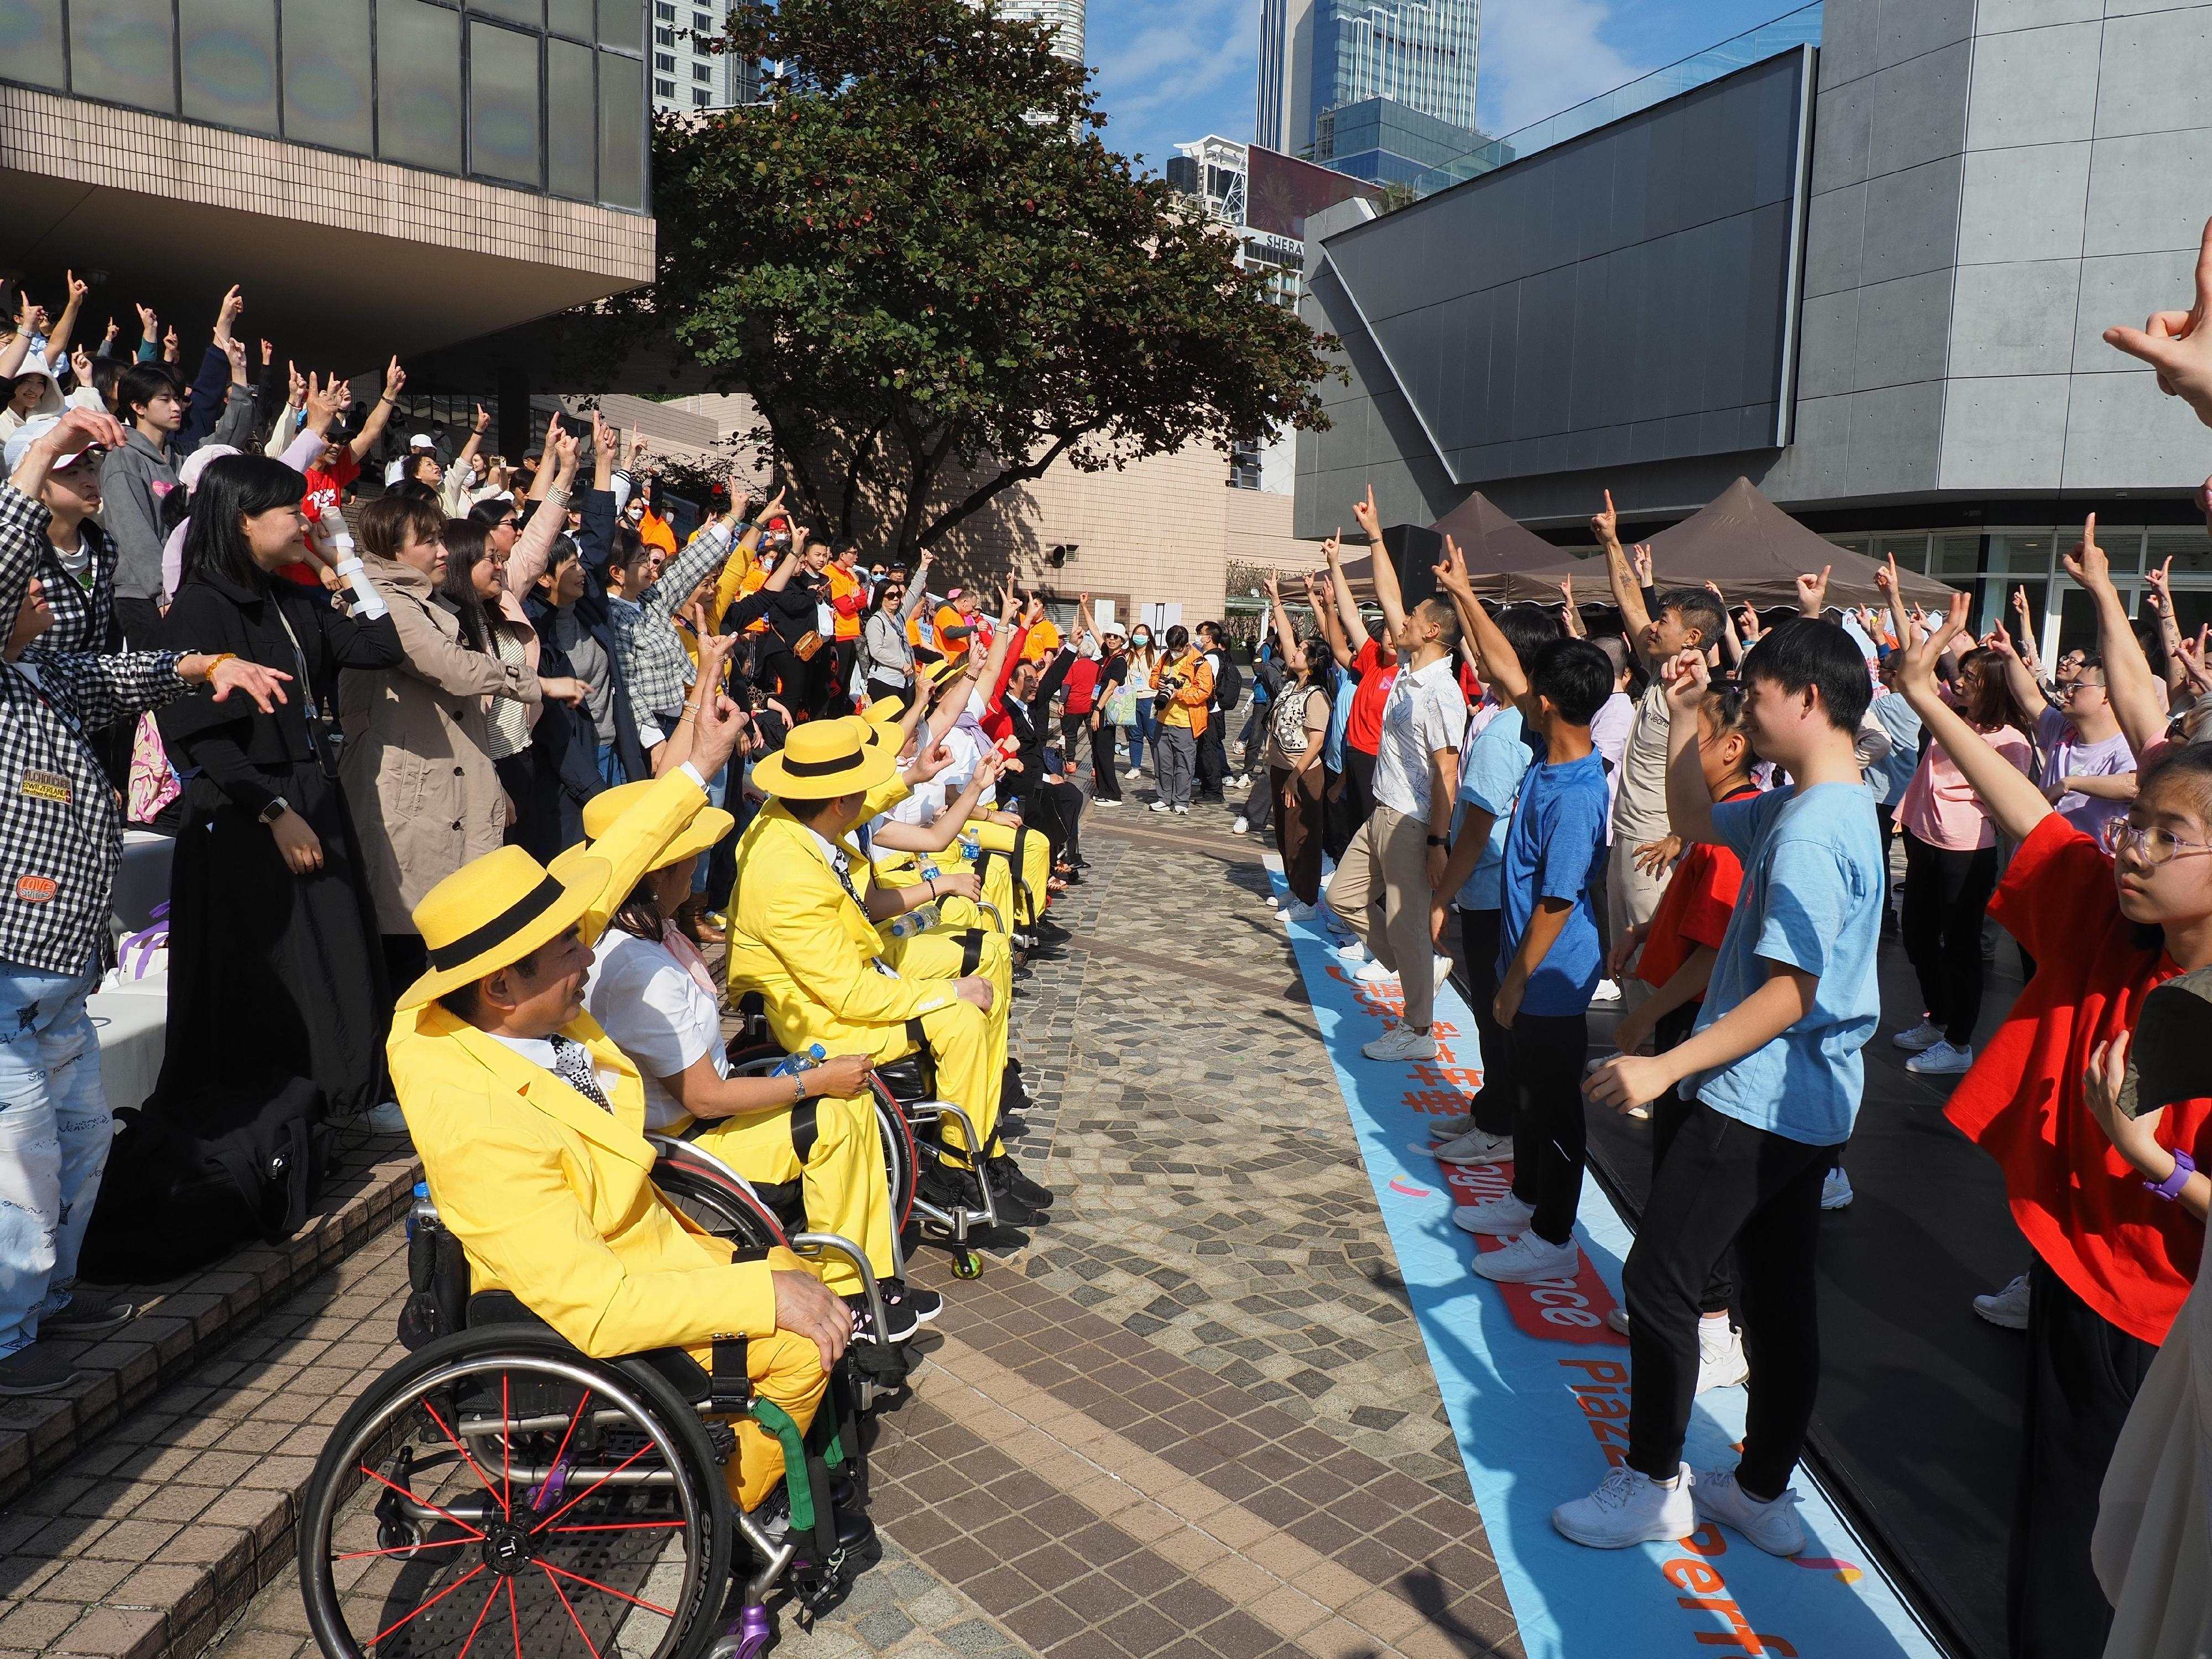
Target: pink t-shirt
point(1941, 807)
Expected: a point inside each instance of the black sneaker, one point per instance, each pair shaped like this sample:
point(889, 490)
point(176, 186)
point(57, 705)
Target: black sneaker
point(90, 1313)
point(899, 1322)
point(1047, 932)
point(1007, 1179)
point(34, 1371)
point(921, 1305)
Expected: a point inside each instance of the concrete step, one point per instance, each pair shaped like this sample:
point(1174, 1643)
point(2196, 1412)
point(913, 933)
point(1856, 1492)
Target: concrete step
point(146, 1542)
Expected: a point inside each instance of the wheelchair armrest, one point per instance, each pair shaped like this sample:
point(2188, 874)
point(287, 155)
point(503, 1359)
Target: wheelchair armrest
point(492, 1309)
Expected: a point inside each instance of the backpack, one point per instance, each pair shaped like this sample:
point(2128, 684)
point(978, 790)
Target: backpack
point(190, 1177)
point(1228, 684)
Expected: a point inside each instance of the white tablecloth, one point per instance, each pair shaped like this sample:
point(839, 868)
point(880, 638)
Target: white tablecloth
point(131, 1018)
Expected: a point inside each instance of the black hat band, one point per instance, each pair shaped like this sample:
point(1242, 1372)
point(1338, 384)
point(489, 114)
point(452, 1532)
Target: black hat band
point(503, 926)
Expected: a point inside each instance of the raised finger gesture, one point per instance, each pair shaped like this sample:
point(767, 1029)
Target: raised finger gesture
point(1639, 557)
point(2176, 344)
point(1363, 510)
point(1687, 678)
point(1606, 526)
point(2086, 564)
point(1813, 591)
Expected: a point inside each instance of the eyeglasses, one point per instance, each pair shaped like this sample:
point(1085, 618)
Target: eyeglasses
point(2072, 686)
point(2154, 846)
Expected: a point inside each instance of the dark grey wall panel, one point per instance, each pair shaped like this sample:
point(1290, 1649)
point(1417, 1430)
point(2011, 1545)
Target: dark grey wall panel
point(1619, 298)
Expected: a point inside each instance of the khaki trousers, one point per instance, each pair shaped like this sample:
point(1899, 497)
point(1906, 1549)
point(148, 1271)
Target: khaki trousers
point(1632, 898)
point(1381, 890)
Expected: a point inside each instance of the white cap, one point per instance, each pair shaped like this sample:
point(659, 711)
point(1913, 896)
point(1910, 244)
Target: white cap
point(20, 440)
point(188, 472)
point(422, 441)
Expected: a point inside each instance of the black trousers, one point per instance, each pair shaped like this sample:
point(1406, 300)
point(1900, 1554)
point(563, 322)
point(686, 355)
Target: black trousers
point(1668, 1113)
point(878, 689)
point(1946, 896)
point(1494, 1108)
point(1723, 1183)
point(1358, 789)
point(2083, 1373)
point(1212, 758)
point(138, 619)
point(1336, 815)
point(518, 775)
point(1105, 781)
point(1549, 1139)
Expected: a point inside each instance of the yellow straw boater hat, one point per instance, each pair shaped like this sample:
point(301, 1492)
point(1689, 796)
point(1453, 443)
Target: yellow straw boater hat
point(708, 826)
point(885, 711)
point(823, 759)
point(495, 910)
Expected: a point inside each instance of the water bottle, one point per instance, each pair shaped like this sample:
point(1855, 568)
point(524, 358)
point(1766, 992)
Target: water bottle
point(971, 847)
point(421, 1207)
point(915, 921)
point(804, 1061)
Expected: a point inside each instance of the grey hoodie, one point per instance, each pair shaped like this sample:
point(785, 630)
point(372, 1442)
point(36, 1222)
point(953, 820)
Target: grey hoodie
point(133, 481)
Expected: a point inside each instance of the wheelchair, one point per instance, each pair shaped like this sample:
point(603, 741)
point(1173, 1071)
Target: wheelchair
point(500, 1484)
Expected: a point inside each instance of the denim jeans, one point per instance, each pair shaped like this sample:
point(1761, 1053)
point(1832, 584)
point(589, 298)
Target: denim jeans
point(610, 767)
point(1142, 729)
point(55, 1128)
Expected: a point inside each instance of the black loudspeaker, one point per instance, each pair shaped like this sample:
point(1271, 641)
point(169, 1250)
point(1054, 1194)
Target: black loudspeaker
point(1413, 553)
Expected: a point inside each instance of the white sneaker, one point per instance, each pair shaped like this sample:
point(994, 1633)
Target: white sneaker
point(1629, 1509)
point(1184, 810)
point(1243, 826)
point(1352, 951)
point(1721, 1362)
point(1606, 992)
point(1443, 973)
point(1941, 1060)
point(1162, 806)
point(1616, 1319)
point(1136, 775)
point(1296, 911)
point(1273, 900)
point(1772, 1525)
point(1528, 1258)
point(1836, 1192)
point(1376, 973)
point(1105, 800)
point(1401, 1042)
point(2006, 1306)
point(1475, 1149)
point(1923, 1035)
point(1451, 1128)
point(386, 1119)
point(1501, 1217)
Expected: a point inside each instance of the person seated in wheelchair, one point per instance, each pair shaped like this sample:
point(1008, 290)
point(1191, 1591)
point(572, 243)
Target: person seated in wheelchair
point(802, 935)
point(530, 1125)
point(651, 991)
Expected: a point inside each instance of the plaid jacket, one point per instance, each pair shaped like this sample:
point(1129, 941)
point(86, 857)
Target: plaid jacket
point(654, 664)
point(61, 839)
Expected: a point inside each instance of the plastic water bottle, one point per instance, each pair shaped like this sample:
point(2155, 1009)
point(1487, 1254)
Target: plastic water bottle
point(915, 921)
point(971, 847)
point(804, 1061)
point(421, 1207)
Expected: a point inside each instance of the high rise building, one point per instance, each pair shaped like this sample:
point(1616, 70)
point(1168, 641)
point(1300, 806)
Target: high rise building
point(687, 74)
point(1379, 89)
point(1065, 17)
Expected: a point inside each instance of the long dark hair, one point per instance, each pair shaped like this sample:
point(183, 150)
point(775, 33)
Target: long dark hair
point(1992, 703)
point(465, 545)
point(235, 488)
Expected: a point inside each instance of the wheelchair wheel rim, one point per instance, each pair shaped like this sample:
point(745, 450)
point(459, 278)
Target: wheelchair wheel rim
point(518, 1526)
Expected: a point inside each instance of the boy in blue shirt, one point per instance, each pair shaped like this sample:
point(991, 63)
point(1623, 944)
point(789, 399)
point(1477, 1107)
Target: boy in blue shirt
point(1774, 1071)
point(1547, 944)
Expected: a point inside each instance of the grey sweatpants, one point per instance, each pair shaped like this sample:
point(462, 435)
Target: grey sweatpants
point(1176, 756)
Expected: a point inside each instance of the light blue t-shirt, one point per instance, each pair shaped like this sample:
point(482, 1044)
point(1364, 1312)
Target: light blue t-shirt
point(1339, 715)
point(1490, 777)
point(1557, 837)
point(1811, 899)
point(1889, 776)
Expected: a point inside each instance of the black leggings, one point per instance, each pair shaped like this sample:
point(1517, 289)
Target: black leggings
point(1494, 1107)
point(1549, 1137)
point(1946, 896)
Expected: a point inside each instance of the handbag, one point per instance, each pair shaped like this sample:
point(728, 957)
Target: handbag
point(807, 645)
point(1120, 707)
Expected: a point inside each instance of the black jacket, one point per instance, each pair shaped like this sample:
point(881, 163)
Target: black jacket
point(1033, 726)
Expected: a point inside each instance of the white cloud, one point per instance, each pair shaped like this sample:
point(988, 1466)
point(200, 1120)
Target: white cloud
point(1540, 56)
point(1168, 71)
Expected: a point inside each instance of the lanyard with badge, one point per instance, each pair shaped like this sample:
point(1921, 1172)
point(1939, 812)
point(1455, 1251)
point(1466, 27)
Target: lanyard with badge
point(324, 736)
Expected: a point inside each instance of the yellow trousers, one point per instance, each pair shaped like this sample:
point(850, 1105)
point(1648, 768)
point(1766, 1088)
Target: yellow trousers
point(786, 1370)
point(833, 1150)
point(949, 952)
point(1026, 898)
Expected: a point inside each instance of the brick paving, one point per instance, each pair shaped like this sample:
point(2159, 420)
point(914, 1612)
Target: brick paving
point(1193, 1418)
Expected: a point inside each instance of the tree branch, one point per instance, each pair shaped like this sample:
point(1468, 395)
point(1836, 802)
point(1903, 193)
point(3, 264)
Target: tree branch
point(979, 498)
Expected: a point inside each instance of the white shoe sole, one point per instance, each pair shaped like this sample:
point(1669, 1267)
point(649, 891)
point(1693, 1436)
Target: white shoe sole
point(2004, 1321)
point(1465, 1161)
point(1660, 1532)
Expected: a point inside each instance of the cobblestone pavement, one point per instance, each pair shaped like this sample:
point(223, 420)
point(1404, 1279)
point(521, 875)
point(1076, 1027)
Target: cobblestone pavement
point(1194, 1417)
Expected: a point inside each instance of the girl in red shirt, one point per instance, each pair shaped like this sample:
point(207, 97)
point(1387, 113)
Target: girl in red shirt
point(2117, 1233)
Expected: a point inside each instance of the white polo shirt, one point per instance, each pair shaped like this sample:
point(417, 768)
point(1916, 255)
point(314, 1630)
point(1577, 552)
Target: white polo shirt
point(1424, 712)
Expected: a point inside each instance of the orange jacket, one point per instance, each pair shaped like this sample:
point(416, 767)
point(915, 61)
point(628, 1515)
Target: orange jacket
point(1187, 708)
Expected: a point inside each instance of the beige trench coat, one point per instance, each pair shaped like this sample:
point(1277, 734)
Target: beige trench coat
point(425, 796)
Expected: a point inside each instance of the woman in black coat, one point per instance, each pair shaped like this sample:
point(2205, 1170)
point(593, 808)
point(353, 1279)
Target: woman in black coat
point(274, 957)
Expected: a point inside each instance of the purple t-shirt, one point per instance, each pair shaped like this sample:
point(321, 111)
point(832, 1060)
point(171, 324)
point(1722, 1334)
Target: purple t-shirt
point(2066, 756)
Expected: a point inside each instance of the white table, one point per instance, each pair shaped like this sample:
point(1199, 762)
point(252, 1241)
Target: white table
point(132, 1022)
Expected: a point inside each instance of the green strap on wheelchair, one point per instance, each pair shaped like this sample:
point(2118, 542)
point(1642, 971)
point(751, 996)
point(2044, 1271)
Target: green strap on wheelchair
point(779, 1423)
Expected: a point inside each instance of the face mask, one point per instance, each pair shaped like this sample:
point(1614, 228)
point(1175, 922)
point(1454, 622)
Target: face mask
point(1140, 641)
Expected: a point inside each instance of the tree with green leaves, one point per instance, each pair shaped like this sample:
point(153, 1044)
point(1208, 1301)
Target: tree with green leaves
point(921, 260)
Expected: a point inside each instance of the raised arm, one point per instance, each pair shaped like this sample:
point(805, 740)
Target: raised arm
point(373, 428)
point(2025, 690)
point(1731, 642)
point(1689, 798)
point(1501, 667)
point(1627, 592)
point(58, 342)
point(1284, 634)
point(1388, 594)
point(2012, 799)
point(2128, 682)
point(533, 548)
point(1347, 609)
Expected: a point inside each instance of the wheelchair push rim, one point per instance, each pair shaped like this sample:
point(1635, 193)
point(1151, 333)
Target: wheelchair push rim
point(543, 1503)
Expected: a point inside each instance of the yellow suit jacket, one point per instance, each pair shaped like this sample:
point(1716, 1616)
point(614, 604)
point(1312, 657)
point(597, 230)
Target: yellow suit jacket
point(795, 937)
point(551, 1196)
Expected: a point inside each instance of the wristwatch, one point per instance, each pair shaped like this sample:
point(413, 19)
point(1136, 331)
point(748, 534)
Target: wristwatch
point(2170, 1189)
point(1439, 841)
point(275, 810)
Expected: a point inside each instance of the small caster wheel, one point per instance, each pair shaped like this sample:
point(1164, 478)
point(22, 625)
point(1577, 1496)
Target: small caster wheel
point(967, 1264)
point(395, 1539)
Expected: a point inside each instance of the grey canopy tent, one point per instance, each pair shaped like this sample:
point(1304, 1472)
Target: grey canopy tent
point(1493, 543)
point(1743, 544)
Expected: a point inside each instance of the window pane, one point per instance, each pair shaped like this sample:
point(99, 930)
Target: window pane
point(503, 105)
point(622, 132)
point(569, 128)
point(326, 74)
point(621, 23)
point(1957, 553)
point(418, 84)
point(2190, 553)
point(2025, 552)
point(229, 50)
point(125, 51)
point(532, 12)
point(1911, 551)
point(571, 17)
point(31, 41)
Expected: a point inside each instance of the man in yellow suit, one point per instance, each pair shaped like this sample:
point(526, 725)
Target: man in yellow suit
point(531, 1125)
point(800, 935)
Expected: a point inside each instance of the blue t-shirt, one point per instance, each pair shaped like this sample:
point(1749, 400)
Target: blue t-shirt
point(1889, 776)
point(1557, 837)
point(1490, 777)
point(1339, 713)
point(1811, 899)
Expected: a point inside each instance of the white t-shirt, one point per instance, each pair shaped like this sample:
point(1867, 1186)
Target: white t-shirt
point(1426, 712)
point(1639, 801)
point(657, 1014)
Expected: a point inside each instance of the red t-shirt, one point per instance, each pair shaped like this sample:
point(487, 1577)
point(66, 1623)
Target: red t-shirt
point(1082, 685)
point(2130, 1254)
point(1694, 910)
point(324, 499)
point(1362, 727)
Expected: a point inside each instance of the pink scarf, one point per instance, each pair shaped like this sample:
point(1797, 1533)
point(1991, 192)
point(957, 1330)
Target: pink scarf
point(678, 944)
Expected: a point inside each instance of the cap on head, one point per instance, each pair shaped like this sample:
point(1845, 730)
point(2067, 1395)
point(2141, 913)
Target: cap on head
point(422, 441)
point(20, 440)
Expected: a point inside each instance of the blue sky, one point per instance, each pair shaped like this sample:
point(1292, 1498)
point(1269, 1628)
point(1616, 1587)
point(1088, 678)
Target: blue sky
point(1170, 71)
